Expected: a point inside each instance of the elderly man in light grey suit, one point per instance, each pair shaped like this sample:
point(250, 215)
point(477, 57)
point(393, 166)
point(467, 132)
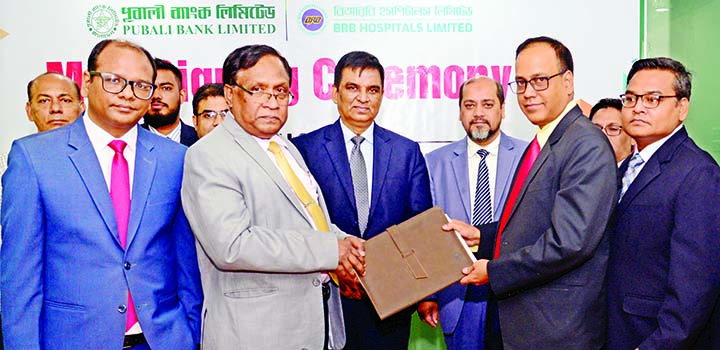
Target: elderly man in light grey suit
point(259, 216)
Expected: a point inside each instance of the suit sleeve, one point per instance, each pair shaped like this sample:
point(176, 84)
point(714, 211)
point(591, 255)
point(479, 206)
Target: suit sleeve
point(694, 266)
point(581, 208)
point(215, 198)
point(189, 285)
point(23, 230)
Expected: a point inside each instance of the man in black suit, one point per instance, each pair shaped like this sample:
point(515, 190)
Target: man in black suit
point(546, 259)
point(163, 117)
point(664, 270)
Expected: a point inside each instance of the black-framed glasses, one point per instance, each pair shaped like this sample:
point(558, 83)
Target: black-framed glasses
point(610, 129)
point(210, 114)
point(283, 97)
point(115, 84)
point(538, 83)
point(648, 100)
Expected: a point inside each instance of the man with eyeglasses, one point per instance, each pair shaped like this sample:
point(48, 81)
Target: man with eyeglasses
point(545, 259)
point(209, 108)
point(606, 116)
point(373, 179)
point(97, 251)
point(163, 116)
point(664, 272)
point(270, 257)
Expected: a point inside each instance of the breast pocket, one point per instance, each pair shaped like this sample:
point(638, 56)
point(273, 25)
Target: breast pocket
point(644, 306)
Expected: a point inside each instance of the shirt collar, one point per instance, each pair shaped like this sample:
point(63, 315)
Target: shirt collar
point(349, 134)
point(101, 138)
point(173, 135)
point(492, 148)
point(543, 135)
point(650, 149)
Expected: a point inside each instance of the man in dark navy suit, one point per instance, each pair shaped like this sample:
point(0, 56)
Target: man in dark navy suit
point(664, 269)
point(372, 178)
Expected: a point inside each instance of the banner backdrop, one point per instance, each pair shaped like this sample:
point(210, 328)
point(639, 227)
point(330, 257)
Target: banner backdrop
point(427, 47)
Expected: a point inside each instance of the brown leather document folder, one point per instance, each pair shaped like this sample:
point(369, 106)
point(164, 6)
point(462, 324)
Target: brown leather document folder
point(412, 260)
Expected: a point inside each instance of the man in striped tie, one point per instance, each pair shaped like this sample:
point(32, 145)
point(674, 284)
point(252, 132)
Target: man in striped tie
point(545, 259)
point(470, 179)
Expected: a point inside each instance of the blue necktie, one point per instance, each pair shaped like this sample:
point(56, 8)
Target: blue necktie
point(630, 173)
point(482, 211)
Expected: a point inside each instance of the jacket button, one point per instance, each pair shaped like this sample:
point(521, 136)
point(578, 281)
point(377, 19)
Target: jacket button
point(316, 282)
point(505, 243)
point(122, 308)
point(127, 265)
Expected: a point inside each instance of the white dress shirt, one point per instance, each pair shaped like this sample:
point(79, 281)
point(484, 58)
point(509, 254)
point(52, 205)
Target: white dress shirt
point(490, 161)
point(173, 135)
point(366, 147)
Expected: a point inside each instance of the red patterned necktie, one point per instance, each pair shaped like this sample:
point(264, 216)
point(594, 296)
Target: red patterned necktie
point(120, 195)
point(525, 166)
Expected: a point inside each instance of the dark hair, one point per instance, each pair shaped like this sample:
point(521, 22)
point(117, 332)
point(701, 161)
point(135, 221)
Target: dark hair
point(99, 47)
point(614, 103)
point(60, 76)
point(248, 56)
point(561, 51)
point(162, 64)
point(683, 78)
point(499, 91)
point(358, 59)
point(205, 91)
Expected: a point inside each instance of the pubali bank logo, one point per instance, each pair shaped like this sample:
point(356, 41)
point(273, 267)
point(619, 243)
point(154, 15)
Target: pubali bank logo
point(102, 21)
point(312, 19)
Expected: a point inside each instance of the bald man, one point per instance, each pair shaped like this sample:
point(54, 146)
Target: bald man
point(53, 101)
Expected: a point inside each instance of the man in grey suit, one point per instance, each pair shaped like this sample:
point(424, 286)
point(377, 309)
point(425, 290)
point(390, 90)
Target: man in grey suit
point(258, 217)
point(470, 179)
point(546, 260)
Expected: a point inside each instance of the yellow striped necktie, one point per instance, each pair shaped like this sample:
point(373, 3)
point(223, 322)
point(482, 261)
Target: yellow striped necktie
point(310, 204)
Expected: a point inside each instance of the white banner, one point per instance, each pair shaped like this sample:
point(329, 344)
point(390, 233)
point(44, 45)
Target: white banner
point(427, 48)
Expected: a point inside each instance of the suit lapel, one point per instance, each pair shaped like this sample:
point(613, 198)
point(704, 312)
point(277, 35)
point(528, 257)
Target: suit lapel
point(87, 165)
point(651, 170)
point(145, 166)
point(252, 148)
point(382, 152)
point(459, 165)
point(336, 151)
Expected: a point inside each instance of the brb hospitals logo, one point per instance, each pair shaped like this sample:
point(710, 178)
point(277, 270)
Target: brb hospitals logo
point(102, 21)
point(312, 19)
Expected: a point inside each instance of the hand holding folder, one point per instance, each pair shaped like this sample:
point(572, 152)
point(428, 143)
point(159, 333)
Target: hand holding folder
point(412, 260)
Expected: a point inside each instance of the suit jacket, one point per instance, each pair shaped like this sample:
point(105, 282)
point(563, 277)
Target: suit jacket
point(400, 190)
point(450, 189)
point(188, 135)
point(664, 270)
point(261, 259)
point(549, 278)
point(65, 275)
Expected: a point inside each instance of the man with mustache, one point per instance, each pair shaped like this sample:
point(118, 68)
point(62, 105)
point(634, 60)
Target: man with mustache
point(470, 179)
point(372, 179)
point(163, 117)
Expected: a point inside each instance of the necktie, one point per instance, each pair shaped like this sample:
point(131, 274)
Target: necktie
point(527, 163)
point(482, 211)
point(310, 204)
point(120, 195)
point(630, 173)
point(360, 183)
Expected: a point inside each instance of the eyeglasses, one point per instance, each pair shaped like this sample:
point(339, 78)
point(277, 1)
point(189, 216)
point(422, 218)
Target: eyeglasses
point(610, 129)
point(283, 97)
point(648, 100)
point(210, 114)
point(538, 83)
point(115, 84)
